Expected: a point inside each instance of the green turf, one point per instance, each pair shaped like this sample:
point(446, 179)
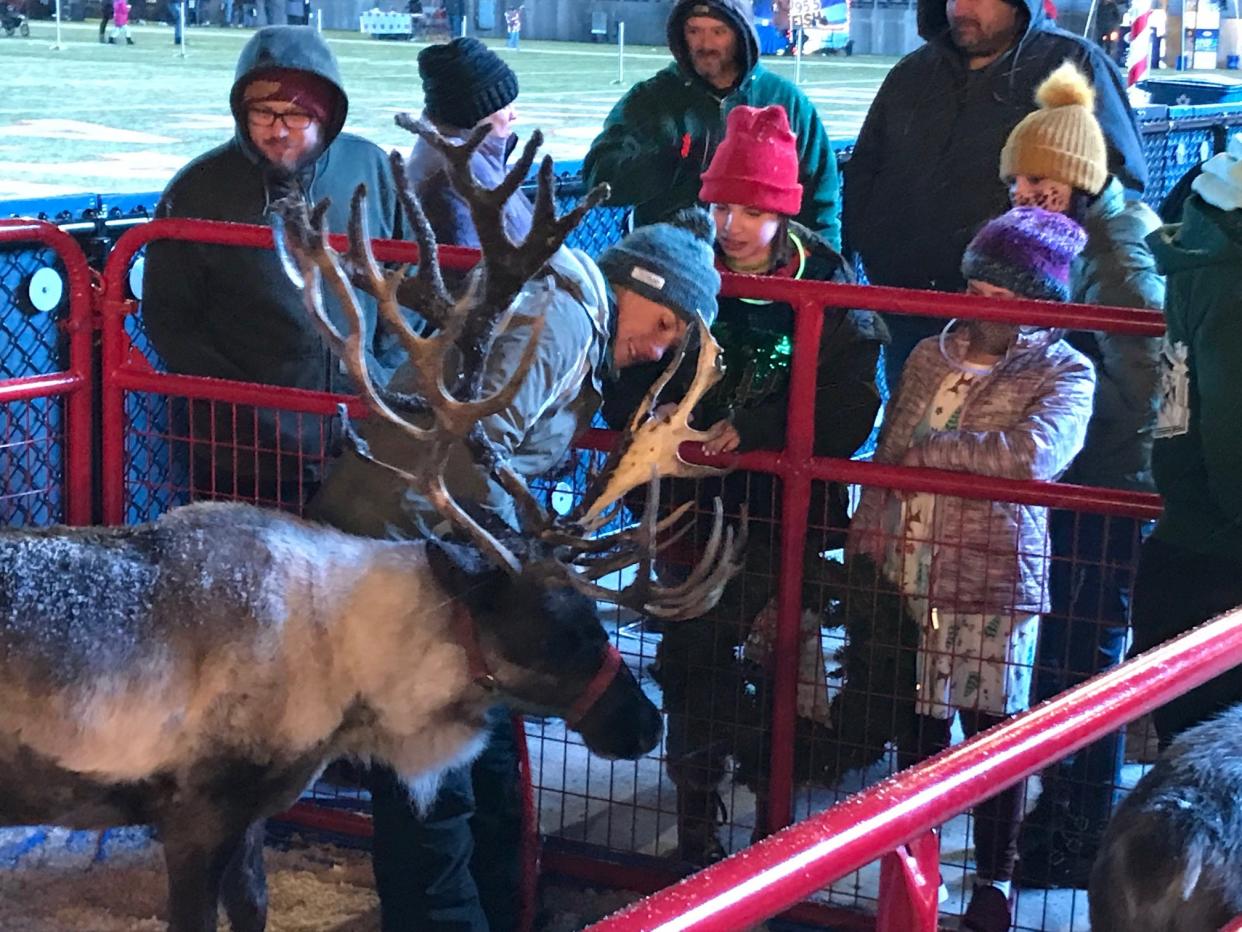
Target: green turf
point(113, 119)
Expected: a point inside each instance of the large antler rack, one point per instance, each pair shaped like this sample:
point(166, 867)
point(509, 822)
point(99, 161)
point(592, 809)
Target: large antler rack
point(651, 441)
point(448, 369)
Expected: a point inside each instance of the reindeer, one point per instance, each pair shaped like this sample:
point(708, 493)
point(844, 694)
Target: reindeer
point(1171, 857)
point(197, 673)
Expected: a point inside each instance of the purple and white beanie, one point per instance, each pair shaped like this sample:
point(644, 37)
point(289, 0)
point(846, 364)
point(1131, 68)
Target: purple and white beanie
point(1028, 250)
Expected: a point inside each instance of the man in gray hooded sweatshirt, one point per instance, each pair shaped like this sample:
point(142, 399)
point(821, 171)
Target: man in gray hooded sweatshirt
point(230, 312)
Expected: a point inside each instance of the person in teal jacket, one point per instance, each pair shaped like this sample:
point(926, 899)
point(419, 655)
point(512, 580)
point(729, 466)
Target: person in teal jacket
point(230, 312)
point(1190, 568)
point(660, 137)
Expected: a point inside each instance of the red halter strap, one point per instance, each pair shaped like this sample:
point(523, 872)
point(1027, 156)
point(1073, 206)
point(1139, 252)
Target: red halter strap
point(482, 675)
point(468, 637)
point(600, 682)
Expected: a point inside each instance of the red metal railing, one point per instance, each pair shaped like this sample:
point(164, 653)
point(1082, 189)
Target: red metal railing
point(75, 384)
point(779, 871)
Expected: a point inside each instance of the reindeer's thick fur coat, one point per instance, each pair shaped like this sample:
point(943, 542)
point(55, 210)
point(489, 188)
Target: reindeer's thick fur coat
point(1171, 859)
point(222, 632)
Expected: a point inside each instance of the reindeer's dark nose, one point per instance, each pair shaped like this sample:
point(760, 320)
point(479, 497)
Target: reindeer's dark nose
point(624, 723)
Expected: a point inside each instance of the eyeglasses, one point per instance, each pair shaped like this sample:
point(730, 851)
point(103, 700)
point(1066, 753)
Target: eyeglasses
point(293, 119)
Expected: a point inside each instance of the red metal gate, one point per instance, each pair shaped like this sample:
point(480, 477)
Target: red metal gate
point(46, 376)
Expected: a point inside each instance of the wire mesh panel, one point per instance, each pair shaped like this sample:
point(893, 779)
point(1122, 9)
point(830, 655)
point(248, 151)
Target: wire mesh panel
point(32, 462)
point(1170, 154)
point(45, 390)
point(179, 450)
point(600, 228)
point(31, 343)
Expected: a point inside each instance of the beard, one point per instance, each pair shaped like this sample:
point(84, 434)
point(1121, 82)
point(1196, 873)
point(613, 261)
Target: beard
point(708, 62)
point(973, 42)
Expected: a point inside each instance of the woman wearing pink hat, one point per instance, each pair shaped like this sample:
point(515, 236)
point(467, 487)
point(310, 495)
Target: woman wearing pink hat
point(753, 192)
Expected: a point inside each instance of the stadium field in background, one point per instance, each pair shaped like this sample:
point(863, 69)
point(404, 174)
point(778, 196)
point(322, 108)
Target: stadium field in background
point(122, 119)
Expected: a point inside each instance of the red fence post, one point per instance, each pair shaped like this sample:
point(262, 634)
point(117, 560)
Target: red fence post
point(909, 899)
point(795, 505)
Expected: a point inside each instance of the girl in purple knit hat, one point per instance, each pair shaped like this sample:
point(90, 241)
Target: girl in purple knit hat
point(994, 400)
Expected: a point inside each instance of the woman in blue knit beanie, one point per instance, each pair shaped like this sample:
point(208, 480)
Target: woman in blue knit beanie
point(991, 399)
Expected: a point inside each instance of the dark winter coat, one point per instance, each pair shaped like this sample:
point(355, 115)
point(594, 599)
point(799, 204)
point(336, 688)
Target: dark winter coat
point(1117, 269)
point(659, 138)
point(232, 313)
point(923, 175)
point(1199, 472)
point(446, 209)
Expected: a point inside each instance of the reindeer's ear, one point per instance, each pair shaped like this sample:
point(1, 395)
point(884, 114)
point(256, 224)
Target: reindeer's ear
point(465, 574)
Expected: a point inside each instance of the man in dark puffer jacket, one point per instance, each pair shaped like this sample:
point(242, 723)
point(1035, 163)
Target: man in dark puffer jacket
point(922, 178)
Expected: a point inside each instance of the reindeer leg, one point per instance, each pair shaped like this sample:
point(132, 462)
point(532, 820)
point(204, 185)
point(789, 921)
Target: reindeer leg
point(243, 888)
point(197, 849)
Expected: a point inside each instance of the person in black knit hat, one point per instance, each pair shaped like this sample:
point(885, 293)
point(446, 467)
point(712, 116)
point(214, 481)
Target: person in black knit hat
point(455, 865)
point(464, 84)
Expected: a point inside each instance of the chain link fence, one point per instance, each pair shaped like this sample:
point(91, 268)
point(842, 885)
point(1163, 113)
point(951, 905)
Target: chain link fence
point(34, 295)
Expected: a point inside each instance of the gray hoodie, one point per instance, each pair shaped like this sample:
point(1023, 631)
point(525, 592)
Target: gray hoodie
point(556, 401)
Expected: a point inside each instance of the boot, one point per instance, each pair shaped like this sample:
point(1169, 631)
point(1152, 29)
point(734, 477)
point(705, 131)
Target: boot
point(989, 910)
point(111, 40)
point(699, 813)
point(129, 41)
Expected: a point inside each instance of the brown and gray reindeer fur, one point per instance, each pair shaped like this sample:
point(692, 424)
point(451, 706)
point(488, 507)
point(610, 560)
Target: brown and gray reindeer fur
point(198, 672)
point(1171, 858)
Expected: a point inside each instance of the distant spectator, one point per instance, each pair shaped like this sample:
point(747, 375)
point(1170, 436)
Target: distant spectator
point(1190, 568)
point(120, 23)
point(273, 12)
point(922, 176)
point(513, 25)
point(178, 15)
point(455, 12)
point(105, 17)
point(993, 400)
